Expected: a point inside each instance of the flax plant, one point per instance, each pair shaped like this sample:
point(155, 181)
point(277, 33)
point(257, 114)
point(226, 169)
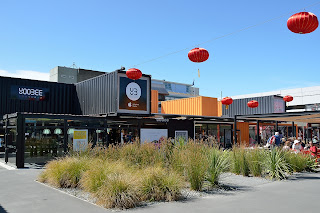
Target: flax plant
point(219, 162)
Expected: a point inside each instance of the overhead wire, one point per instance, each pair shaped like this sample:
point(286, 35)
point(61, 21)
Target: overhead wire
point(225, 35)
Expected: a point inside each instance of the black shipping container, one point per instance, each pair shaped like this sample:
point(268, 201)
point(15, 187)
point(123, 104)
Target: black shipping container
point(23, 95)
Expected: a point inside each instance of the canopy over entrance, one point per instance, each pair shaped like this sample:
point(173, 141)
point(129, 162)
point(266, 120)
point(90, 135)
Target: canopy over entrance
point(305, 117)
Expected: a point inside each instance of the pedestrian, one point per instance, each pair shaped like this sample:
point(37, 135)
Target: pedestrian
point(277, 139)
point(296, 147)
point(286, 147)
point(313, 149)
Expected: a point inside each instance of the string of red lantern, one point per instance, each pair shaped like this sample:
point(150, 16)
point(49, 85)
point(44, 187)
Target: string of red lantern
point(253, 104)
point(288, 98)
point(227, 101)
point(134, 73)
point(303, 22)
point(198, 55)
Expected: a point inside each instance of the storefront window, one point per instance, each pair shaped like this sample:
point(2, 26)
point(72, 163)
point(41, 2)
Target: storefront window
point(201, 131)
point(213, 136)
point(43, 139)
point(226, 135)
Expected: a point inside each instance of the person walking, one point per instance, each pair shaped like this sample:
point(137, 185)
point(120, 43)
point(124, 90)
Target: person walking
point(277, 139)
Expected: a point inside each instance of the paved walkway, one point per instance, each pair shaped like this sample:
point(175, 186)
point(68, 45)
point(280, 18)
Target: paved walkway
point(19, 193)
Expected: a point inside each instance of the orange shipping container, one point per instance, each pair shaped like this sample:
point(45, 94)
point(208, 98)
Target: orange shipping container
point(154, 101)
point(203, 106)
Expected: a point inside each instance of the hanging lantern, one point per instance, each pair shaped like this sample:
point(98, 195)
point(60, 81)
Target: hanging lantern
point(227, 101)
point(253, 104)
point(303, 22)
point(198, 55)
point(288, 98)
point(134, 73)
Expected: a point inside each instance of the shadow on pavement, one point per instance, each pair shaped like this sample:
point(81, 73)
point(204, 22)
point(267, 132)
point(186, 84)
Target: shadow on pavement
point(304, 176)
point(2, 210)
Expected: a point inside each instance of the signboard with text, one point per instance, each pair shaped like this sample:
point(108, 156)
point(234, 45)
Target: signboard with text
point(80, 140)
point(153, 135)
point(29, 93)
point(134, 95)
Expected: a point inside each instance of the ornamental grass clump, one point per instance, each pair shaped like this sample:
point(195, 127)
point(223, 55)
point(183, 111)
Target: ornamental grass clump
point(140, 155)
point(300, 162)
point(65, 172)
point(275, 164)
point(95, 176)
point(240, 163)
point(254, 159)
point(196, 163)
point(159, 184)
point(119, 190)
point(219, 162)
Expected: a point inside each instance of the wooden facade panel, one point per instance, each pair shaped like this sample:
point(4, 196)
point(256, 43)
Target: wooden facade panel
point(244, 132)
point(154, 101)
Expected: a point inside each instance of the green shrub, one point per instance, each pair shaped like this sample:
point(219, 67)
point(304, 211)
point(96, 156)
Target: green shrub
point(275, 165)
point(219, 162)
point(157, 184)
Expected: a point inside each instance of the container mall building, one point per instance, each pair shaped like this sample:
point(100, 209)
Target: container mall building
point(42, 120)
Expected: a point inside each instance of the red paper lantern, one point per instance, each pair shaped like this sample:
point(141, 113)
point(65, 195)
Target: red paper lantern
point(227, 101)
point(288, 98)
point(198, 55)
point(253, 104)
point(134, 73)
point(303, 22)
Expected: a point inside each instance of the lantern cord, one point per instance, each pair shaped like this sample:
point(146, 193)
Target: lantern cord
point(228, 34)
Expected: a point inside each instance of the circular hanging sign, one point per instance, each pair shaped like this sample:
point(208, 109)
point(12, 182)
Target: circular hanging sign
point(133, 91)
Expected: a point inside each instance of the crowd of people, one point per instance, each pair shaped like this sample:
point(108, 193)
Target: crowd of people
point(296, 145)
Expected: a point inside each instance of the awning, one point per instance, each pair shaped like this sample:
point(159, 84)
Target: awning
point(304, 117)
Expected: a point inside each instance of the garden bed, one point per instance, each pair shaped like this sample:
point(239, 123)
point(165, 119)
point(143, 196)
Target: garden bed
point(134, 174)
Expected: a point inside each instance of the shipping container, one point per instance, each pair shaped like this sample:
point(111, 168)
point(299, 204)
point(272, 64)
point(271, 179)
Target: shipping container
point(203, 106)
point(24, 95)
point(154, 101)
point(267, 105)
point(113, 93)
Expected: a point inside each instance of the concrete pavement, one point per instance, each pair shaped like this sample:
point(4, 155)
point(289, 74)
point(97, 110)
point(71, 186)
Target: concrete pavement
point(20, 193)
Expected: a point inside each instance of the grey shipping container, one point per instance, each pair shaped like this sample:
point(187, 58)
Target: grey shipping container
point(102, 95)
point(267, 105)
point(24, 95)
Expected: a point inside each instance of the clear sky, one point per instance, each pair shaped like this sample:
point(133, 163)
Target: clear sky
point(105, 35)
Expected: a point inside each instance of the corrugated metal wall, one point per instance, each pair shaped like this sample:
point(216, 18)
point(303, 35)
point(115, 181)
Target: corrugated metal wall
point(203, 106)
point(62, 97)
point(239, 106)
point(98, 95)
point(154, 101)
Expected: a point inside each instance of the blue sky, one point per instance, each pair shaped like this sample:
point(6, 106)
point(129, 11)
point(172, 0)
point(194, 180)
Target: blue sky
point(105, 35)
